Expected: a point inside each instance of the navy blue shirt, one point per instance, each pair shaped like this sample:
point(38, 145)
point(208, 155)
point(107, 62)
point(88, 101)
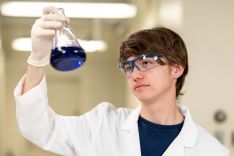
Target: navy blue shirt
point(155, 138)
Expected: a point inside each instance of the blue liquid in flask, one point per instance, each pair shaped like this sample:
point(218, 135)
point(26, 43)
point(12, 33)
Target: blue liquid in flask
point(67, 58)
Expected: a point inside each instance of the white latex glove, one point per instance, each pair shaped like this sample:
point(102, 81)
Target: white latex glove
point(42, 35)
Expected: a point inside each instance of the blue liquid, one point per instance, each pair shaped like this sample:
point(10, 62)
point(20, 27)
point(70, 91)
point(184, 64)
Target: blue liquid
point(67, 58)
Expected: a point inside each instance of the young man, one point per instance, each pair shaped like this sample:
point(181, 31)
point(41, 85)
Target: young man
point(155, 64)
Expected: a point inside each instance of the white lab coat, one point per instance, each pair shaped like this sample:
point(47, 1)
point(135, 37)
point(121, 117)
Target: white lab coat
point(104, 131)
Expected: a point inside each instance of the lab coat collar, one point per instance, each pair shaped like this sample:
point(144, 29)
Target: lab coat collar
point(130, 130)
point(185, 139)
point(132, 119)
point(188, 132)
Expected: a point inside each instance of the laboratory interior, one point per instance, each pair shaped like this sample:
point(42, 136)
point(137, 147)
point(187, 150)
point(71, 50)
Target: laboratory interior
point(206, 26)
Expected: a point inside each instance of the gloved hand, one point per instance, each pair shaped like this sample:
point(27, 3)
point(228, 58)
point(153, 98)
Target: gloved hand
point(42, 35)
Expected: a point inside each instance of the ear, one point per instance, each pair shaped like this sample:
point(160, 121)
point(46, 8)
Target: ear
point(177, 70)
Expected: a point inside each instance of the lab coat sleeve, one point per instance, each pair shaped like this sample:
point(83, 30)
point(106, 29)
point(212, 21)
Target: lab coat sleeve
point(226, 152)
point(42, 126)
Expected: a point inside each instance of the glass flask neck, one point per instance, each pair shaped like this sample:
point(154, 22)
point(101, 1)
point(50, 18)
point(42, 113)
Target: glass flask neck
point(65, 36)
point(61, 11)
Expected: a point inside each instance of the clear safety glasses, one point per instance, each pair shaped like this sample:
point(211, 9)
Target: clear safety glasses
point(142, 63)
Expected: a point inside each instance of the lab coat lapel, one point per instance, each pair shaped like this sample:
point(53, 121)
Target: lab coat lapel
point(131, 134)
point(176, 148)
point(185, 139)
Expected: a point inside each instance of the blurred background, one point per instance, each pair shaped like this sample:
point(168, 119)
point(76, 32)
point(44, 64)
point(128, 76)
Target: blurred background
point(207, 28)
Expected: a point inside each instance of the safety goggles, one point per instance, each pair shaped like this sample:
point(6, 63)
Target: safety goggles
point(142, 63)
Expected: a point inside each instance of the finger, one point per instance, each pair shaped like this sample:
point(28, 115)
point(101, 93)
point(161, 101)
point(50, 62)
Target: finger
point(55, 17)
point(43, 33)
point(51, 25)
point(49, 9)
point(48, 24)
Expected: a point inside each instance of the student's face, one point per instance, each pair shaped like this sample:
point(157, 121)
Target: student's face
point(155, 83)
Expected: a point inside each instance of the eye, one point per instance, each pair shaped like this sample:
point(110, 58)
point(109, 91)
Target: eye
point(127, 68)
point(147, 62)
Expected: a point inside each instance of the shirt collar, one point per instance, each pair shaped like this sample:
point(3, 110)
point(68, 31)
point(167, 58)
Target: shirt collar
point(187, 135)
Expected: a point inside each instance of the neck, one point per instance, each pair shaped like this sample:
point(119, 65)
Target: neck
point(164, 112)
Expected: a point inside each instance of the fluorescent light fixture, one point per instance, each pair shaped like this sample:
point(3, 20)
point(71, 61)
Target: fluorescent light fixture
point(93, 45)
point(73, 10)
point(24, 44)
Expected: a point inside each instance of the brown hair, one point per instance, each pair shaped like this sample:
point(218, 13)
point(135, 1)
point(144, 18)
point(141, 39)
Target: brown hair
point(158, 40)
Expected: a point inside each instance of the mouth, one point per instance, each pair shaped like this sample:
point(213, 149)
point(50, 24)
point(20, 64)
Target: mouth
point(140, 86)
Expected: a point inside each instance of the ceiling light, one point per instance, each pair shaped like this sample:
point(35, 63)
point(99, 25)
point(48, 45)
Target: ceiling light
point(73, 10)
point(24, 44)
point(93, 45)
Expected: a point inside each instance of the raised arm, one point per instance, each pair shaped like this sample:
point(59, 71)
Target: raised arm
point(36, 120)
point(42, 35)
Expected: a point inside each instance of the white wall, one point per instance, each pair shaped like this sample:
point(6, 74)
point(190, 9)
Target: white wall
point(208, 30)
point(2, 92)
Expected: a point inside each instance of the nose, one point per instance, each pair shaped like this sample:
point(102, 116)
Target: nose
point(136, 73)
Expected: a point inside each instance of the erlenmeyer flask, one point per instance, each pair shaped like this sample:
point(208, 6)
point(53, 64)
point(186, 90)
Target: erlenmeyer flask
point(67, 54)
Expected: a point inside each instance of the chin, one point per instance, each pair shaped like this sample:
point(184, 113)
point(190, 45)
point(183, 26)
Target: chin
point(144, 99)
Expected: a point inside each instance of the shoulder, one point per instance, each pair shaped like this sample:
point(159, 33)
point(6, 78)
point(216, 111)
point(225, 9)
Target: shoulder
point(207, 142)
point(107, 108)
point(204, 142)
point(107, 111)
